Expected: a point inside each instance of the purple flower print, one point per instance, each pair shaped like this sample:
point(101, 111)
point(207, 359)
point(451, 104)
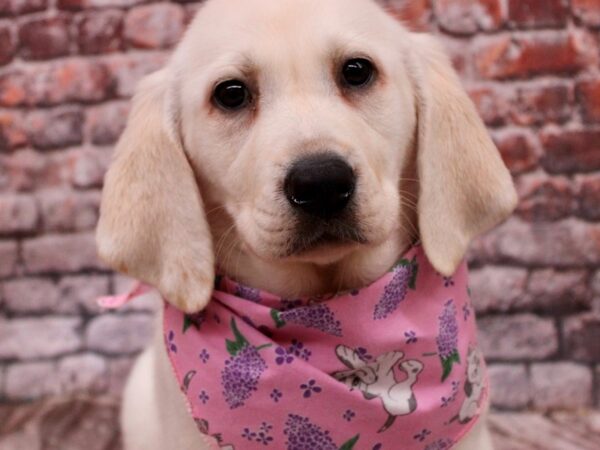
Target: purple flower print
point(302, 434)
point(466, 311)
point(286, 304)
point(447, 400)
point(440, 444)
point(422, 435)
point(363, 354)
point(349, 415)
point(248, 434)
point(395, 292)
point(242, 371)
point(171, 342)
point(276, 395)
point(411, 337)
point(447, 340)
point(297, 349)
point(263, 438)
point(266, 427)
point(282, 356)
point(317, 316)
point(193, 320)
point(203, 397)
point(448, 281)
point(204, 356)
point(310, 388)
point(377, 447)
point(248, 293)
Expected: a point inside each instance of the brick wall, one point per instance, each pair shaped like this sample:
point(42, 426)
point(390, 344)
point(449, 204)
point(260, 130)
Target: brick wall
point(67, 69)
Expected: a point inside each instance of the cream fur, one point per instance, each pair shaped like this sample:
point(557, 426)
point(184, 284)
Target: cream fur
point(191, 186)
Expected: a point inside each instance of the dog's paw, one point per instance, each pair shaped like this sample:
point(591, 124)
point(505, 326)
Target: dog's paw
point(187, 289)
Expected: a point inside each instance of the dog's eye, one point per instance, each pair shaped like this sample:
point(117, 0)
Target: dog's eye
point(232, 95)
point(357, 72)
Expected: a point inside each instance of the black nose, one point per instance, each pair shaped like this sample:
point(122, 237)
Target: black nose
point(321, 185)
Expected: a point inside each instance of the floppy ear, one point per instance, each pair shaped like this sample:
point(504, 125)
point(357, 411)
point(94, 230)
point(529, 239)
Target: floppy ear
point(152, 224)
point(465, 188)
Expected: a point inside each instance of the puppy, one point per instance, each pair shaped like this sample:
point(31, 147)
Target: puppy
point(300, 146)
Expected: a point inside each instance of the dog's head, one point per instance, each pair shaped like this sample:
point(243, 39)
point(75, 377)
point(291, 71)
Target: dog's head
point(297, 132)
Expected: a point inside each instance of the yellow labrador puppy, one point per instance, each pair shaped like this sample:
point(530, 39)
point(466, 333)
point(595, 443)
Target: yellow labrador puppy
point(201, 175)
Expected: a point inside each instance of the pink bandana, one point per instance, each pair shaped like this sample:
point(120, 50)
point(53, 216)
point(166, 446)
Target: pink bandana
point(394, 365)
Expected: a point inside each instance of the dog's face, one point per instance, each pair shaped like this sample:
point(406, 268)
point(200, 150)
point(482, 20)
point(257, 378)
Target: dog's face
point(308, 130)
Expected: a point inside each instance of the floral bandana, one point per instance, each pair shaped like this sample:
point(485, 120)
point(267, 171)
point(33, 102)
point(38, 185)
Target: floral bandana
point(392, 366)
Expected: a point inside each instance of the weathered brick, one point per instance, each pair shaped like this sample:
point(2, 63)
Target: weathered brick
point(582, 337)
point(498, 289)
point(518, 337)
point(39, 337)
point(15, 7)
point(44, 38)
point(71, 80)
point(89, 166)
point(100, 32)
point(82, 291)
point(150, 302)
point(564, 244)
point(587, 10)
point(30, 295)
point(539, 105)
point(589, 196)
point(106, 122)
point(561, 385)
point(573, 150)
point(559, 291)
point(509, 386)
point(128, 70)
point(12, 132)
point(60, 253)
point(60, 127)
point(18, 213)
point(21, 171)
point(119, 334)
point(468, 16)
point(7, 44)
point(519, 56)
point(67, 210)
point(416, 14)
point(519, 149)
point(588, 97)
point(154, 26)
point(597, 390)
point(32, 380)
point(118, 370)
point(491, 103)
point(76, 5)
point(82, 373)
point(538, 14)
point(8, 258)
point(545, 198)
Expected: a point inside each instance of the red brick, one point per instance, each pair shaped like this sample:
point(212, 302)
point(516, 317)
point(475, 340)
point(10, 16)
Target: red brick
point(119, 369)
point(538, 14)
point(544, 198)
point(520, 56)
point(540, 105)
point(128, 70)
point(128, 333)
point(21, 171)
point(12, 133)
point(87, 373)
point(61, 127)
point(510, 386)
point(100, 31)
point(18, 213)
point(561, 385)
point(60, 253)
point(589, 197)
point(9, 254)
point(154, 26)
point(30, 295)
point(89, 167)
point(30, 380)
point(105, 123)
point(565, 244)
point(76, 5)
point(519, 149)
point(15, 7)
point(498, 289)
point(559, 291)
point(517, 337)
point(79, 292)
point(568, 151)
point(44, 38)
point(582, 335)
point(7, 45)
point(70, 80)
point(469, 16)
point(587, 10)
point(492, 105)
point(588, 97)
point(416, 14)
point(65, 210)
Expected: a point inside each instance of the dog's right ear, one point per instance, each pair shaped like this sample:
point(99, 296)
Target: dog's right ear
point(152, 223)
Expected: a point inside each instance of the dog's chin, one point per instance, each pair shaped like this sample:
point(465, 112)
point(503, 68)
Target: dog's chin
point(325, 252)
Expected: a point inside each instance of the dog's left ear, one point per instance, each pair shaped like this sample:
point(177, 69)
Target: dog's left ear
point(465, 188)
